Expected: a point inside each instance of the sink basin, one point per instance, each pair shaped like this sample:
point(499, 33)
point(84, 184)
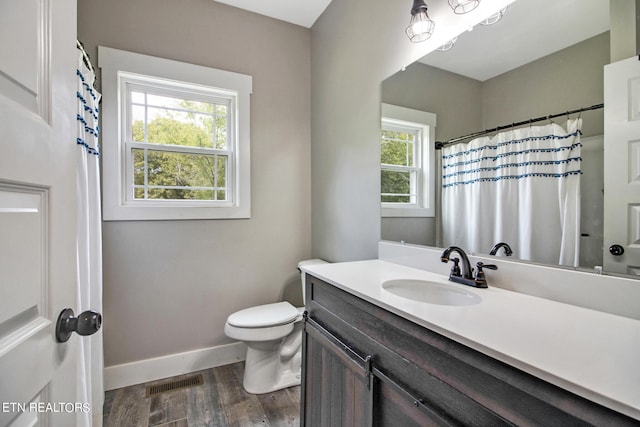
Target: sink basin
point(430, 292)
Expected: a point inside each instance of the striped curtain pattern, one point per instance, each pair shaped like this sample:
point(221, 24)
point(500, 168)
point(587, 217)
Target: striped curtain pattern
point(522, 187)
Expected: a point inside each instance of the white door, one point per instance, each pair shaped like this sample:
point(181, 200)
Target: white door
point(622, 166)
point(37, 210)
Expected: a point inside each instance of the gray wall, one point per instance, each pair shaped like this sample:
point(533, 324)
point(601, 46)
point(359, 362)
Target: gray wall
point(456, 100)
point(625, 37)
point(566, 80)
point(345, 106)
point(355, 45)
point(169, 285)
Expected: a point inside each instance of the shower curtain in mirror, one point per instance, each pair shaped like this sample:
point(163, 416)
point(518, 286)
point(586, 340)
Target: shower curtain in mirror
point(89, 245)
point(521, 187)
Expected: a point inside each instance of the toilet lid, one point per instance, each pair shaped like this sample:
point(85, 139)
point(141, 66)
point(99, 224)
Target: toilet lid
point(279, 313)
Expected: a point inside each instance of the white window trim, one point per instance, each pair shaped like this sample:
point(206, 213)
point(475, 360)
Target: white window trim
point(427, 123)
point(115, 207)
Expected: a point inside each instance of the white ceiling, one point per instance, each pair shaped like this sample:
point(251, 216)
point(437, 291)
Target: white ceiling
point(530, 29)
point(300, 12)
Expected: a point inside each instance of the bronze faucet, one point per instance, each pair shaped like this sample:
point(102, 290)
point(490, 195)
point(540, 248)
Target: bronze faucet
point(465, 275)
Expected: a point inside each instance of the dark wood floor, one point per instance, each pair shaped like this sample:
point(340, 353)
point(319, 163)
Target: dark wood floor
point(220, 401)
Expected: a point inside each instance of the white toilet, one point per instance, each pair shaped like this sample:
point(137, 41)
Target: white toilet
point(273, 334)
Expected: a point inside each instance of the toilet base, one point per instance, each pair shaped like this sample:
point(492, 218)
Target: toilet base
point(288, 379)
point(273, 365)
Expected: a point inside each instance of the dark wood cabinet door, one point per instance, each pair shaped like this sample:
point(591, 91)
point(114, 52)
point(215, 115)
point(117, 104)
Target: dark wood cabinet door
point(337, 382)
point(342, 388)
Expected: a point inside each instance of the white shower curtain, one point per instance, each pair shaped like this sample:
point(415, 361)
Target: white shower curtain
point(521, 187)
point(89, 247)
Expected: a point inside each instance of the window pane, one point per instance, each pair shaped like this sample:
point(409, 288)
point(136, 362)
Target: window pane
point(179, 128)
point(183, 104)
point(181, 194)
point(395, 199)
point(175, 176)
point(137, 97)
point(159, 119)
point(397, 148)
point(221, 132)
point(138, 167)
point(137, 124)
point(396, 186)
point(138, 193)
point(221, 171)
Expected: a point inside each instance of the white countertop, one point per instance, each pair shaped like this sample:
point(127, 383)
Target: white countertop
point(590, 353)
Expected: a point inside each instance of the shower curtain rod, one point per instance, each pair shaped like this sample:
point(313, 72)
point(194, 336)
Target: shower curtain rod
point(441, 144)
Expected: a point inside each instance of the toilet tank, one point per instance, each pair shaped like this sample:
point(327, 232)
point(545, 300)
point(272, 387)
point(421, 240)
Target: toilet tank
point(304, 264)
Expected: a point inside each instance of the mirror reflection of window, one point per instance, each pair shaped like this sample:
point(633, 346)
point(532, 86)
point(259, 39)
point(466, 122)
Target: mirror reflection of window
point(400, 164)
point(407, 162)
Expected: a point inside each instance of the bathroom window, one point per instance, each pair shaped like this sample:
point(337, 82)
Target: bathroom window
point(176, 139)
point(407, 162)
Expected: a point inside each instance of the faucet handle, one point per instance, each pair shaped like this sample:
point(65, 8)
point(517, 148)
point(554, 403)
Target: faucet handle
point(480, 273)
point(482, 265)
point(455, 268)
point(480, 278)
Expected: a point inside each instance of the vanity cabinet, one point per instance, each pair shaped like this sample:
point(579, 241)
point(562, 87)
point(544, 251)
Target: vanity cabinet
point(365, 366)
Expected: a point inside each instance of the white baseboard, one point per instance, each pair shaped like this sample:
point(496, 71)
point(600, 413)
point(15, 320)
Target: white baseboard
point(126, 374)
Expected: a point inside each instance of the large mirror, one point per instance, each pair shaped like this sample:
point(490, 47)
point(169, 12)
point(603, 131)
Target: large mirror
point(543, 57)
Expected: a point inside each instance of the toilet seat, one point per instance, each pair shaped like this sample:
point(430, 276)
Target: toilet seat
point(263, 316)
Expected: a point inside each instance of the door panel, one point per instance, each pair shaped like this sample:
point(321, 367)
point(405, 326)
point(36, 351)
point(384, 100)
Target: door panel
point(622, 166)
point(22, 228)
point(23, 312)
point(24, 77)
point(37, 210)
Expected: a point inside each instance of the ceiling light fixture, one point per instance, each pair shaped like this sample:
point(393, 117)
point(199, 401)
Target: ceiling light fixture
point(463, 6)
point(494, 18)
point(448, 45)
point(421, 26)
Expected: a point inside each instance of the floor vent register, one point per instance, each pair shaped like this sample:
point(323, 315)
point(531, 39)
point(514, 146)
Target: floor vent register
point(173, 385)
